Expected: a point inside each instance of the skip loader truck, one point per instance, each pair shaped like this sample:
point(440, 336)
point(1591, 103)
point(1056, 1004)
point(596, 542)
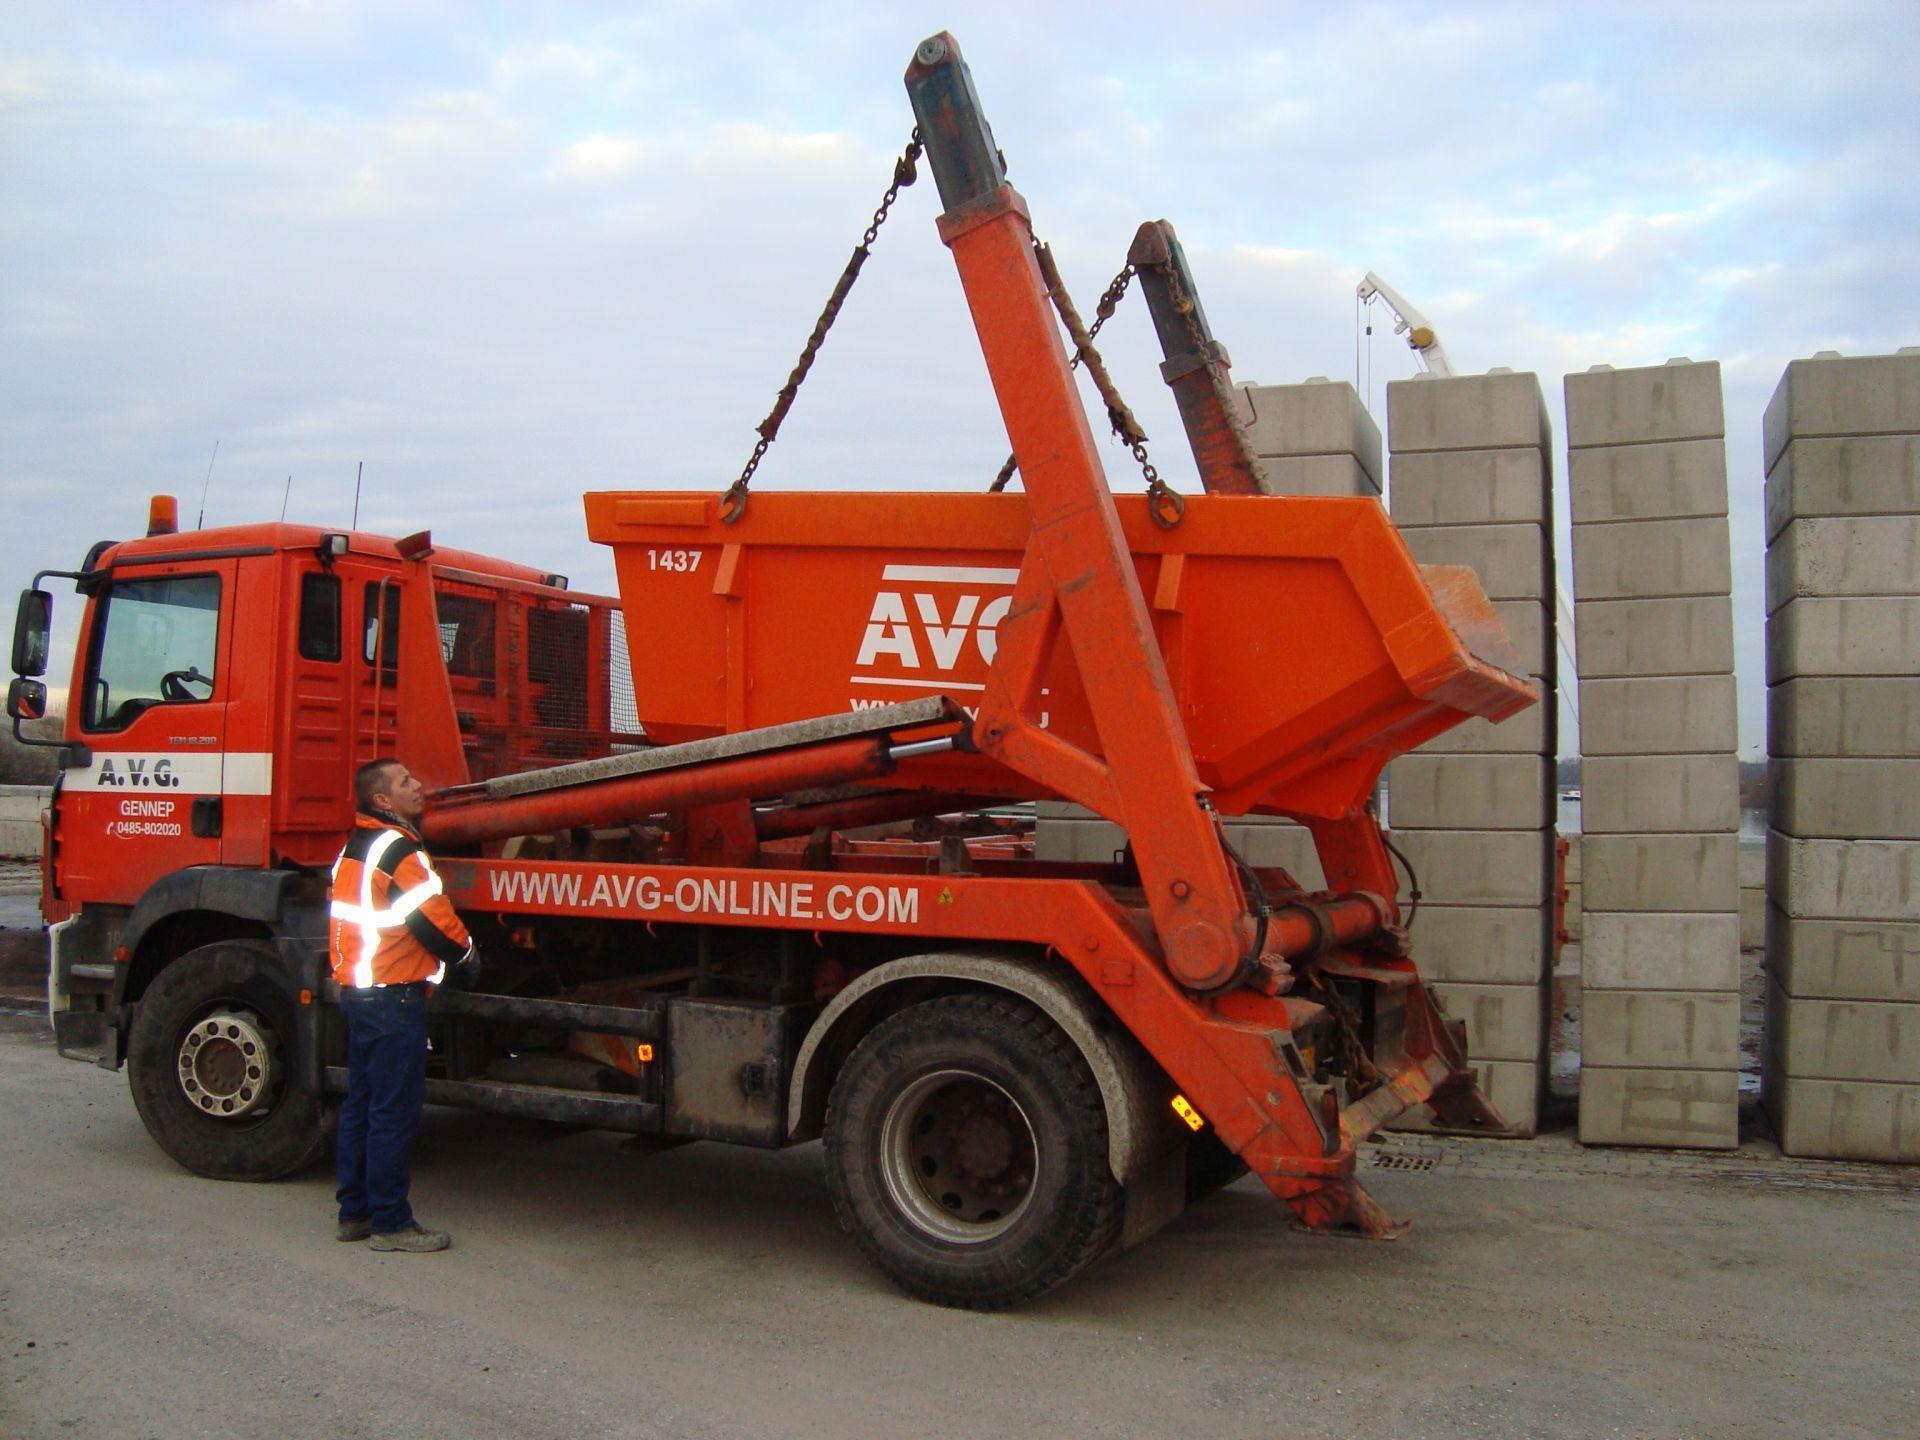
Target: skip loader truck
point(677, 823)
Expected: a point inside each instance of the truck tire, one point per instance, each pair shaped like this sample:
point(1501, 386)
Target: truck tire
point(212, 1063)
point(966, 1150)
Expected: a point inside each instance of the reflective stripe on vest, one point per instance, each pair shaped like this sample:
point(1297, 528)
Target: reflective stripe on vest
point(369, 921)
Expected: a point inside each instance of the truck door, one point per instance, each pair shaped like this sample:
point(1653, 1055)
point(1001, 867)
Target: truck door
point(150, 702)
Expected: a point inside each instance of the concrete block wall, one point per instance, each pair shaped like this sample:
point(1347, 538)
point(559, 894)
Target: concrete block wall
point(1470, 483)
point(20, 807)
point(1314, 438)
point(1652, 577)
point(1841, 1070)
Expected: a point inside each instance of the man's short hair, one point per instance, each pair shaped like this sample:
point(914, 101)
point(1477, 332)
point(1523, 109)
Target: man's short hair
point(371, 780)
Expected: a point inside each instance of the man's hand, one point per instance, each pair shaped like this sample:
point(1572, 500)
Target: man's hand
point(464, 973)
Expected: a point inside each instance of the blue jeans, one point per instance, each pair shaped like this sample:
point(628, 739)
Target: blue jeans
point(386, 1083)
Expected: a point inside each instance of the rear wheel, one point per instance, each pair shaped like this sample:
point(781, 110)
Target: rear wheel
point(212, 1064)
point(967, 1153)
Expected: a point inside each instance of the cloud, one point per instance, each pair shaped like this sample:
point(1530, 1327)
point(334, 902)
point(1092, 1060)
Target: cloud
point(582, 249)
point(601, 158)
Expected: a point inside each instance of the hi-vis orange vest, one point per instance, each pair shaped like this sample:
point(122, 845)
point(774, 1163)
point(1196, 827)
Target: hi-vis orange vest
point(389, 922)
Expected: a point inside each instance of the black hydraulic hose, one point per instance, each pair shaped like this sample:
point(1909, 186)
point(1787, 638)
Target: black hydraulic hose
point(1413, 880)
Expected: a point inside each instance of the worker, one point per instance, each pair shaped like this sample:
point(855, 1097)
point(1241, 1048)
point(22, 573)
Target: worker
point(392, 934)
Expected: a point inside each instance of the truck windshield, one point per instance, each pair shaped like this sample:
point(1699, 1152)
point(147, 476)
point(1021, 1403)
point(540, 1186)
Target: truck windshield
point(154, 643)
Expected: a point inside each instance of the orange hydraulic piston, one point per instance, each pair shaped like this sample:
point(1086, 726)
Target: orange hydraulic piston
point(613, 802)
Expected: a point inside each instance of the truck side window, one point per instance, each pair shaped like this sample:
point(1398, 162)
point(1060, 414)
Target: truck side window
point(319, 616)
point(381, 632)
point(153, 644)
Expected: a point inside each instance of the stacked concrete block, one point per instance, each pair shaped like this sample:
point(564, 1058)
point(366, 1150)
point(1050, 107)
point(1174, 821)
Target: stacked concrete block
point(1841, 1076)
point(1313, 439)
point(1471, 484)
point(1660, 811)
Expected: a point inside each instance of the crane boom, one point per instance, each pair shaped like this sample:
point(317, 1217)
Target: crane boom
point(1421, 336)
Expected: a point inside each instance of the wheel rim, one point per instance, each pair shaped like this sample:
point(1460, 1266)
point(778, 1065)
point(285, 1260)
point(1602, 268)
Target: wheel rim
point(225, 1064)
point(958, 1156)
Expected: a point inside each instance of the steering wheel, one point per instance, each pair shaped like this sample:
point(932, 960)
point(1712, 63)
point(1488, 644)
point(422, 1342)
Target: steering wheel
point(173, 684)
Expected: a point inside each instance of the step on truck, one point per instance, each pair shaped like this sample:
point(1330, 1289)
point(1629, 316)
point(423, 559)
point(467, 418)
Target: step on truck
point(743, 849)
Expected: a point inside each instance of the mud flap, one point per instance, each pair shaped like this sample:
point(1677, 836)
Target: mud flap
point(88, 1035)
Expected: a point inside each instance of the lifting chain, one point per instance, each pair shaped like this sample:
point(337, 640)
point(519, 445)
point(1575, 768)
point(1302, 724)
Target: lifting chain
point(1165, 504)
point(1362, 1075)
point(733, 504)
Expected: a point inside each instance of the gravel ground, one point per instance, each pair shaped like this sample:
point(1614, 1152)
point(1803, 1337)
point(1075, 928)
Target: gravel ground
point(1543, 1292)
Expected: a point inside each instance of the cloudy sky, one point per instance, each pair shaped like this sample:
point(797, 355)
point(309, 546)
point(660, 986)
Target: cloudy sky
point(507, 253)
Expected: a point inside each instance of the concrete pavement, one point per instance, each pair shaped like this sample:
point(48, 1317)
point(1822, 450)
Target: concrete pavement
point(707, 1292)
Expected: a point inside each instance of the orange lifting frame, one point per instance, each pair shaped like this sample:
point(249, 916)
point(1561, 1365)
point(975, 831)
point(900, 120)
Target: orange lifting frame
point(1207, 1001)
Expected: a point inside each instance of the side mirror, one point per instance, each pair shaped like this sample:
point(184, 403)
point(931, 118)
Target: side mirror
point(32, 625)
point(26, 699)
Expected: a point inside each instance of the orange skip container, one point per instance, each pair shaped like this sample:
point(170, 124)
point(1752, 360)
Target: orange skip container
point(1304, 645)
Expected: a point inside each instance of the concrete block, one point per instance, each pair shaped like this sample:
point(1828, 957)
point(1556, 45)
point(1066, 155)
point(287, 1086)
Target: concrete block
point(1844, 1039)
point(1681, 1109)
point(1640, 559)
point(1529, 627)
point(1836, 395)
point(1482, 944)
point(1514, 562)
point(1843, 555)
point(1753, 917)
point(1688, 636)
point(1470, 792)
point(1844, 1119)
point(1753, 864)
point(1515, 1087)
point(1504, 1022)
point(1086, 841)
point(1478, 867)
point(1319, 417)
point(1467, 412)
point(1647, 794)
point(1844, 879)
point(1676, 401)
point(21, 835)
point(1646, 482)
point(1534, 731)
point(1695, 873)
point(1278, 845)
point(1844, 959)
point(1663, 951)
point(1864, 475)
point(1660, 1029)
point(1847, 799)
point(1471, 487)
point(1317, 475)
point(1856, 716)
point(1869, 635)
point(1067, 832)
point(1658, 715)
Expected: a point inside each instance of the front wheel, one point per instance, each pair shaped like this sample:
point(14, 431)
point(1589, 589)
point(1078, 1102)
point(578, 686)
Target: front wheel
point(212, 1063)
point(966, 1148)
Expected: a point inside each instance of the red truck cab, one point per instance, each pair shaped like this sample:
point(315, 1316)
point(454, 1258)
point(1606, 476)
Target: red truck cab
point(226, 684)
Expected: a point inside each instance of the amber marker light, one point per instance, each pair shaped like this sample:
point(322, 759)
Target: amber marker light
point(1184, 1109)
point(643, 1053)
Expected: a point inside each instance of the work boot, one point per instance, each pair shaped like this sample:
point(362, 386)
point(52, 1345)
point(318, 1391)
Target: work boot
point(353, 1229)
point(415, 1240)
